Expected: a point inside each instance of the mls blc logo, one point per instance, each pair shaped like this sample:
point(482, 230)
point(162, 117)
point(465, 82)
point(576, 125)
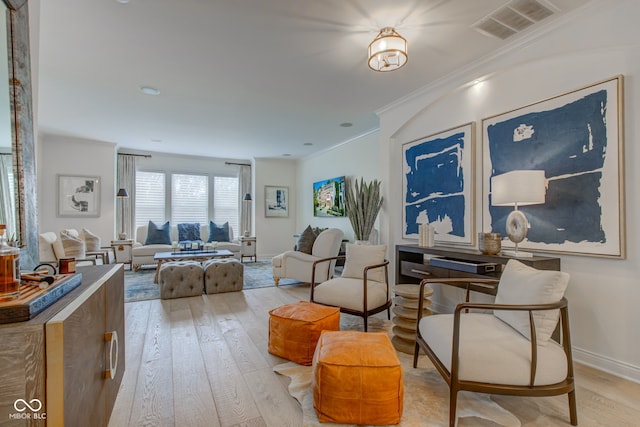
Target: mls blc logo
point(21, 406)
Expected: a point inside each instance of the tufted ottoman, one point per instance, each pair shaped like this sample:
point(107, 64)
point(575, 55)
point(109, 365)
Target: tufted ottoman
point(180, 279)
point(223, 275)
point(357, 379)
point(294, 329)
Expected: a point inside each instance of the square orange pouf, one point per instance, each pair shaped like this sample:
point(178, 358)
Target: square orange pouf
point(357, 379)
point(294, 329)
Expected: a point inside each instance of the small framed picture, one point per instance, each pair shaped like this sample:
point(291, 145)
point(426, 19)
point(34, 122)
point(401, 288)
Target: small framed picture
point(78, 196)
point(276, 201)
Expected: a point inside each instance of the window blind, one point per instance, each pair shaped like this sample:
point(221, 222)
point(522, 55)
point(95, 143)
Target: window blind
point(150, 197)
point(226, 202)
point(189, 199)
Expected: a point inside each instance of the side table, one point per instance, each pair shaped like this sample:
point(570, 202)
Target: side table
point(248, 248)
point(122, 249)
point(405, 312)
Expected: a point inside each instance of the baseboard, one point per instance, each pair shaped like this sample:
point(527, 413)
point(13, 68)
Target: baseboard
point(607, 364)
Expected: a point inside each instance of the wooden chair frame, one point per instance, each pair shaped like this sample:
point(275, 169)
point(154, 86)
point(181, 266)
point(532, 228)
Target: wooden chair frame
point(455, 384)
point(366, 312)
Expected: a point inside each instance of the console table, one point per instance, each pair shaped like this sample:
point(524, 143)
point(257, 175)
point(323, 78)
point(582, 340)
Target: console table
point(412, 264)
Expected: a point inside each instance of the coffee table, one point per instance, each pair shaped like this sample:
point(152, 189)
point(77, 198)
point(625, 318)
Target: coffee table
point(161, 257)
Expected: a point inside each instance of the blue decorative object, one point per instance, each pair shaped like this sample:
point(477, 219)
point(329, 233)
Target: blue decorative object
point(438, 185)
point(158, 235)
point(575, 139)
point(218, 233)
point(189, 231)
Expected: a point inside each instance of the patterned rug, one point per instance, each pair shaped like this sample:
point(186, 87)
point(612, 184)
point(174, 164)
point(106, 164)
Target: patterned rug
point(426, 395)
point(139, 284)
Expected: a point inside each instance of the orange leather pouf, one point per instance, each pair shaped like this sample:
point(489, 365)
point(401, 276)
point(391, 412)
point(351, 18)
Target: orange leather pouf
point(294, 329)
point(357, 379)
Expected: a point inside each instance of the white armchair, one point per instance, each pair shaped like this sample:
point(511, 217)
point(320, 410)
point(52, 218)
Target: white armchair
point(299, 265)
point(362, 289)
point(50, 250)
point(507, 347)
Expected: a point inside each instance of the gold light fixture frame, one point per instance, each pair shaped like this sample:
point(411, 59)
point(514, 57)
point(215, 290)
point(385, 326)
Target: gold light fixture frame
point(388, 51)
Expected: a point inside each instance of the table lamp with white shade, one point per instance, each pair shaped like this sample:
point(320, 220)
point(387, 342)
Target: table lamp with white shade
point(518, 188)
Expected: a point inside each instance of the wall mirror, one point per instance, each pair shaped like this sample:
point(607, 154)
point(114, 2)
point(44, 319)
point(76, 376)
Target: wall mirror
point(16, 122)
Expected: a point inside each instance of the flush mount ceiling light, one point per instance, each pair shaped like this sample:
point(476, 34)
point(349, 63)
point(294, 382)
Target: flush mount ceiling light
point(148, 90)
point(388, 51)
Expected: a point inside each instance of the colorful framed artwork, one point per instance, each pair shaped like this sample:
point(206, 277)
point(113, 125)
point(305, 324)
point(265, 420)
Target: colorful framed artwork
point(276, 201)
point(78, 196)
point(329, 197)
point(576, 138)
point(438, 185)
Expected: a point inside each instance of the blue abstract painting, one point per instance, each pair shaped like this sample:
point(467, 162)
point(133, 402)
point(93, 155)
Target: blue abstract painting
point(438, 185)
point(574, 138)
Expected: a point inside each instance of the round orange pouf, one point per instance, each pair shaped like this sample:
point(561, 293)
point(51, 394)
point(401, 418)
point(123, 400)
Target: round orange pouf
point(294, 329)
point(357, 379)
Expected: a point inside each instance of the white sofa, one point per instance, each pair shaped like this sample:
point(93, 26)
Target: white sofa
point(142, 254)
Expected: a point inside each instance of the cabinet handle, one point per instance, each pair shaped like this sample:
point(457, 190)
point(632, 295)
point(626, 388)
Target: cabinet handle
point(424, 273)
point(112, 338)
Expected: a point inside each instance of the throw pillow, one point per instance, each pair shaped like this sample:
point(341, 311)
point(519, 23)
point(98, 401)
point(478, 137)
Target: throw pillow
point(72, 232)
point(521, 284)
point(360, 256)
point(92, 242)
point(73, 246)
point(305, 241)
point(218, 233)
point(189, 231)
point(158, 234)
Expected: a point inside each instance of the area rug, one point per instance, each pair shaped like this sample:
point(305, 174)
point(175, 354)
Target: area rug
point(426, 395)
point(139, 284)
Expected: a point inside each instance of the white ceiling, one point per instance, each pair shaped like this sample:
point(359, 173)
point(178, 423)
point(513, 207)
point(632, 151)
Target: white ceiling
point(242, 78)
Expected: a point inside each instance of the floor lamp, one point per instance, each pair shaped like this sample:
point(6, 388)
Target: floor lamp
point(122, 194)
point(518, 188)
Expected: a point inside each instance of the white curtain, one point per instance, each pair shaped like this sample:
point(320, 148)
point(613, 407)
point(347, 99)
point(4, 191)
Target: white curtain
point(126, 180)
point(7, 195)
point(245, 207)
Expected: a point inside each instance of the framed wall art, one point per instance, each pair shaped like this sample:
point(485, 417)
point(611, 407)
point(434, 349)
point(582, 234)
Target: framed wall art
point(576, 139)
point(78, 196)
point(276, 201)
point(329, 197)
point(438, 185)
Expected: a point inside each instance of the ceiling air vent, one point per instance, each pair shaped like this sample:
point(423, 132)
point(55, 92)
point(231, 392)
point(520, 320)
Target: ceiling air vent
point(513, 17)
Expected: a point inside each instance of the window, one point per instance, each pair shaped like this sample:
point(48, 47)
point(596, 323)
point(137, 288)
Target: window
point(189, 198)
point(190, 201)
point(150, 198)
point(225, 202)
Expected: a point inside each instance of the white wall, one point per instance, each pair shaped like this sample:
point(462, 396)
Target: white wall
point(58, 155)
point(274, 235)
point(596, 43)
point(355, 159)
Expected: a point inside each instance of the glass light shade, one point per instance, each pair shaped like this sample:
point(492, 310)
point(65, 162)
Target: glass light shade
point(388, 51)
point(519, 188)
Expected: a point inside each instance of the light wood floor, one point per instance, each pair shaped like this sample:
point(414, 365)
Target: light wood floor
point(203, 361)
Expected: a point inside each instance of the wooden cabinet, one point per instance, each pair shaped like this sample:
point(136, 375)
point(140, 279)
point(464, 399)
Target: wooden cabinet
point(83, 334)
